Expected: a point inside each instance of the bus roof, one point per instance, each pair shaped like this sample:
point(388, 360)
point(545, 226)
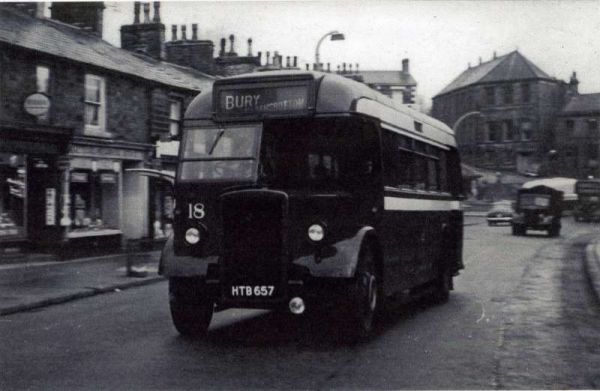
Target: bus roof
point(335, 94)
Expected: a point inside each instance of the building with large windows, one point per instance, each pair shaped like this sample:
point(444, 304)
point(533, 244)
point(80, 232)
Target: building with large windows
point(75, 114)
point(514, 105)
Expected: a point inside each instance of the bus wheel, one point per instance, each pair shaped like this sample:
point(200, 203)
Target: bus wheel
point(191, 312)
point(443, 285)
point(364, 298)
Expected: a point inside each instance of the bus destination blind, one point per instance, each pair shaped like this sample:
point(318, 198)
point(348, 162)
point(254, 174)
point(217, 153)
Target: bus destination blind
point(265, 100)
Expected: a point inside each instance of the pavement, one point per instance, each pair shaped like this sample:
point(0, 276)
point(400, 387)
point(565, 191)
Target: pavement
point(29, 284)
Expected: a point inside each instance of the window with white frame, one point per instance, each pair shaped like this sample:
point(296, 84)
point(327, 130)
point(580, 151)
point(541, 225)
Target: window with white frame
point(95, 103)
point(174, 117)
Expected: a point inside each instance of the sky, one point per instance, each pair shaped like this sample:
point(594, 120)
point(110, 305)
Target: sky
point(440, 38)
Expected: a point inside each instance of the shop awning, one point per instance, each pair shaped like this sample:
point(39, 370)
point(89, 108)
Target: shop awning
point(165, 175)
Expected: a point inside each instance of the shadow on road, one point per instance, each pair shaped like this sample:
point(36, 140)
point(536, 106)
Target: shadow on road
point(320, 330)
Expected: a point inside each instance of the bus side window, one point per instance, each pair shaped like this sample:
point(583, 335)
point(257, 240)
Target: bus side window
point(443, 171)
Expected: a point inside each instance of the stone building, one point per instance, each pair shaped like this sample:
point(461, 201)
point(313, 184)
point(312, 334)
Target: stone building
point(577, 137)
point(76, 113)
point(515, 105)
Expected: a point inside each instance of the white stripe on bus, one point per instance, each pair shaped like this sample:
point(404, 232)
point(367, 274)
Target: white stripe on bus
point(396, 203)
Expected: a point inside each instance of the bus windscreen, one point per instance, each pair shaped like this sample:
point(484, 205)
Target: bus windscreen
point(227, 153)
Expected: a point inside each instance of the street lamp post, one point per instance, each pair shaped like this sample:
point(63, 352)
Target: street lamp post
point(335, 36)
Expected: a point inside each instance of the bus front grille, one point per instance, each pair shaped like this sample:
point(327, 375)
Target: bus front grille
point(253, 264)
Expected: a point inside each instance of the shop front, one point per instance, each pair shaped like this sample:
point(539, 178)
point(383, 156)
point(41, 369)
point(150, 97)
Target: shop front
point(30, 186)
point(103, 205)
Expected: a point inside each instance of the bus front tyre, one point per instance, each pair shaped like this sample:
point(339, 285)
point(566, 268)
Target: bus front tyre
point(191, 311)
point(443, 286)
point(364, 298)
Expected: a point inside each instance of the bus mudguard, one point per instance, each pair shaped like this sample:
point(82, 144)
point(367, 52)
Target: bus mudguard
point(340, 263)
point(172, 265)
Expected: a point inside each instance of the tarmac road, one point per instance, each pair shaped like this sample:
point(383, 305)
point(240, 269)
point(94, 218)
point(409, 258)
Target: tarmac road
point(522, 316)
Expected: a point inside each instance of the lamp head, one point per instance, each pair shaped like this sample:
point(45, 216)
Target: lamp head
point(337, 37)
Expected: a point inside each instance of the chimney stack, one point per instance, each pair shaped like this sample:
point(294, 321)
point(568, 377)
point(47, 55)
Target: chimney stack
point(146, 13)
point(88, 16)
point(136, 12)
point(405, 68)
point(194, 31)
point(156, 18)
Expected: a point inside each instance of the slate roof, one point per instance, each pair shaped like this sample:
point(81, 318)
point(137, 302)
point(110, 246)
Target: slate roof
point(582, 104)
point(512, 66)
point(388, 77)
point(66, 41)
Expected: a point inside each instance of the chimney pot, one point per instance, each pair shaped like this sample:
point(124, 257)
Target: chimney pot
point(146, 13)
point(231, 39)
point(344, 67)
point(268, 57)
point(494, 54)
point(183, 32)
point(136, 12)
point(480, 61)
point(328, 67)
point(338, 69)
point(356, 67)
point(405, 68)
point(222, 51)
point(287, 61)
point(259, 56)
point(194, 31)
point(249, 47)
point(156, 18)
point(173, 32)
point(314, 66)
point(295, 61)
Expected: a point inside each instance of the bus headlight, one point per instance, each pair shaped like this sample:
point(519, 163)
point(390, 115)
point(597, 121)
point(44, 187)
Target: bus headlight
point(316, 232)
point(192, 235)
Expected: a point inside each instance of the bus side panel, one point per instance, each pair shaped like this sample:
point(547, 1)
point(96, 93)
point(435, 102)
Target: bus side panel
point(171, 265)
point(400, 242)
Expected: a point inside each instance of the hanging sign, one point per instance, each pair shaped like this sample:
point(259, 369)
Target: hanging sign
point(37, 104)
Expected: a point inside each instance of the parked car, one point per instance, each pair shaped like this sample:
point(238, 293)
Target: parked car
point(538, 208)
point(501, 213)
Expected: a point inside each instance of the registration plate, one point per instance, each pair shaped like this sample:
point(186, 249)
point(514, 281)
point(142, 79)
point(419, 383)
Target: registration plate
point(252, 290)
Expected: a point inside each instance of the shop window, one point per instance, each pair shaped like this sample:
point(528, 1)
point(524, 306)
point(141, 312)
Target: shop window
point(164, 202)
point(95, 106)
point(175, 117)
point(94, 200)
point(13, 195)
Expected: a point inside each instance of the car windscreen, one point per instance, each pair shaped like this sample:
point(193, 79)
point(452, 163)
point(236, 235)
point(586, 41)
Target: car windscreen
point(534, 201)
point(220, 153)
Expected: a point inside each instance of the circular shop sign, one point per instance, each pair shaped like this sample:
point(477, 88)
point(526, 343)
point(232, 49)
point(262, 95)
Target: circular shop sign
point(36, 104)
